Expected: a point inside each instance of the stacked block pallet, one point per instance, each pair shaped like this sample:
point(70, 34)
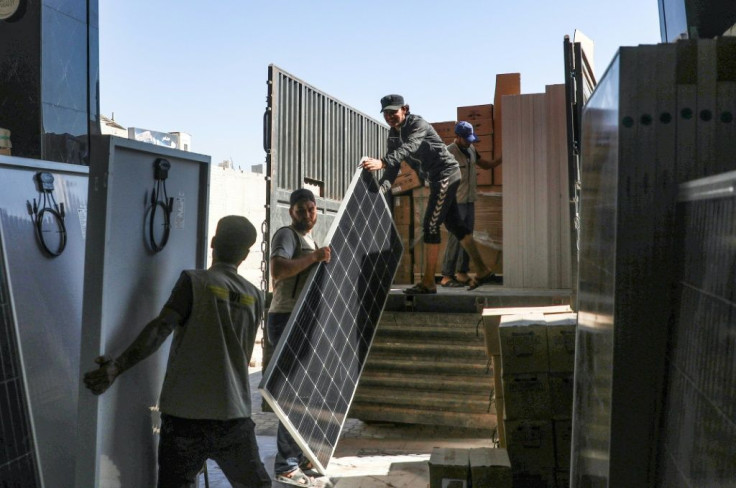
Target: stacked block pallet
point(533, 350)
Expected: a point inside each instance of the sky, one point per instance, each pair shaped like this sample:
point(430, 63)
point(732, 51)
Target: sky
point(201, 67)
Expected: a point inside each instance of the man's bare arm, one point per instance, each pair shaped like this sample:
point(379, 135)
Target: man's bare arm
point(282, 268)
point(486, 164)
point(148, 341)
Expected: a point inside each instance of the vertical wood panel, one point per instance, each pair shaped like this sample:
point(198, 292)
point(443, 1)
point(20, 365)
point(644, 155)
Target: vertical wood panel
point(535, 213)
point(512, 231)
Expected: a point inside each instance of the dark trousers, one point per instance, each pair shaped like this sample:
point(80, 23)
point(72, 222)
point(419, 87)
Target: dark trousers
point(456, 259)
point(186, 444)
point(442, 209)
point(288, 452)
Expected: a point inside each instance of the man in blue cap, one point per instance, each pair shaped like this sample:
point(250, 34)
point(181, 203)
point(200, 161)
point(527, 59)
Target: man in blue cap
point(414, 140)
point(467, 156)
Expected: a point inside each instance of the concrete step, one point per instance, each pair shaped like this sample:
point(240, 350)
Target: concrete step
point(386, 413)
point(483, 385)
point(444, 320)
point(437, 351)
point(413, 366)
point(460, 402)
point(427, 368)
point(429, 333)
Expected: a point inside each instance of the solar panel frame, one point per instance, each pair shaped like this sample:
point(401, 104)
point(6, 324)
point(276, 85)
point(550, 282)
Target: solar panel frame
point(326, 338)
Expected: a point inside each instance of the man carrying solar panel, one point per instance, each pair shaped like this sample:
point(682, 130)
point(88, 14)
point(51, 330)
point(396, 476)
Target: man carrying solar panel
point(414, 140)
point(293, 253)
point(205, 400)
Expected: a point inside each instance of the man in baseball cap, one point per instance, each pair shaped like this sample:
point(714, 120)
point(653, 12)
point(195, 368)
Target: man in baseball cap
point(392, 102)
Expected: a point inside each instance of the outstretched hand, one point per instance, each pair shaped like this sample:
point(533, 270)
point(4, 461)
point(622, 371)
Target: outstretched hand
point(100, 379)
point(372, 164)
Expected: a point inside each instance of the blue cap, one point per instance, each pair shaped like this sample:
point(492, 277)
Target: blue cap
point(465, 130)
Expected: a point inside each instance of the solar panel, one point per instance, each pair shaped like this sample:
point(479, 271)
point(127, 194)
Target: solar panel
point(314, 371)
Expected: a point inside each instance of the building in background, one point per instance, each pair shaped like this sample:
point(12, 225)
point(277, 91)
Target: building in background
point(234, 191)
point(174, 140)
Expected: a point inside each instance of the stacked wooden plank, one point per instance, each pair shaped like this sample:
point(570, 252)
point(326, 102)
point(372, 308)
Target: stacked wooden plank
point(535, 212)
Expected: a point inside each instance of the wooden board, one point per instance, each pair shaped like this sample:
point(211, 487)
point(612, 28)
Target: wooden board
point(536, 236)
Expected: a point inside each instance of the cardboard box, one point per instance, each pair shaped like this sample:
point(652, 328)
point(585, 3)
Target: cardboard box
point(407, 180)
point(483, 127)
point(506, 84)
point(526, 396)
point(561, 330)
point(449, 467)
point(492, 319)
point(471, 113)
point(446, 130)
point(543, 478)
point(498, 175)
point(5, 151)
point(530, 444)
point(523, 341)
point(484, 144)
point(484, 177)
point(490, 467)
point(402, 210)
point(563, 442)
point(561, 394)
point(562, 478)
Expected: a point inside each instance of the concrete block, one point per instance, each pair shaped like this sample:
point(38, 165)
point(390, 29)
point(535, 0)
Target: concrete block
point(449, 467)
point(490, 468)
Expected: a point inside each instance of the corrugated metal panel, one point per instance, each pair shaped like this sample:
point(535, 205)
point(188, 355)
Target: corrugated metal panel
point(312, 139)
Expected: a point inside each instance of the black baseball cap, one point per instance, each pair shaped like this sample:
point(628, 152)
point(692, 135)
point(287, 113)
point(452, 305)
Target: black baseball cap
point(392, 102)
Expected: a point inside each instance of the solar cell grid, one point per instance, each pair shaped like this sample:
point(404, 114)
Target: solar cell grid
point(314, 371)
